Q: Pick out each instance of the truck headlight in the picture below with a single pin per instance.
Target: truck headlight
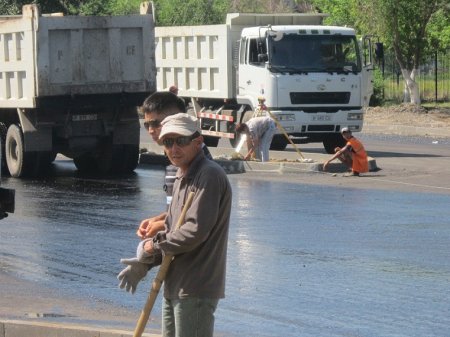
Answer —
(286, 117)
(354, 116)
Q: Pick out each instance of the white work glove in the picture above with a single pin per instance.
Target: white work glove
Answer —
(132, 274)
(142, 256)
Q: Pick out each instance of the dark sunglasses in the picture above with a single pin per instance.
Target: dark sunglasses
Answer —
(154, 123)
(181, 141)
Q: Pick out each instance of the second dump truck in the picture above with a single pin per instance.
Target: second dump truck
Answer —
(315, 79)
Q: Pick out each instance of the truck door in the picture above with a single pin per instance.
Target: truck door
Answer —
(252, 71)
(367, 71)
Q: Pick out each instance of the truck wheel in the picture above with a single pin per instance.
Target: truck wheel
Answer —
(132, 157)
(231, 127)
(19, 162)
(119, 158)
(42, 161)
(3, 131)
(125, 158)
(211, 141)
(332, 141)
(51, 156)
(85, 163)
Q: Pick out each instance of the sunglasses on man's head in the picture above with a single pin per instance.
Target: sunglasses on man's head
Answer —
(154, 123)
(180, 141)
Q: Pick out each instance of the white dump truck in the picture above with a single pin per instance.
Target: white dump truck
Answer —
(71, 85)
(315, 79)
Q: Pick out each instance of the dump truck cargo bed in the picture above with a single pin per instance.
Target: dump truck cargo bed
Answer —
(43, 56)
(201, 60)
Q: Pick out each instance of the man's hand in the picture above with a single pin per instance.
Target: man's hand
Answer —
(149, 227)
(144, 251)
(325, 165)
(132, 274)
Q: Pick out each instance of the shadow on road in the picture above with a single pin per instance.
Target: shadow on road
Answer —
(384, 154)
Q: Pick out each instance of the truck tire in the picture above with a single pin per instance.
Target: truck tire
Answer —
(332, 141)
(231, 127)
(85, 163)
(3, 131)
(211, 141)
(125, 158)
(51, 156)
(19, 162)
(132, 155)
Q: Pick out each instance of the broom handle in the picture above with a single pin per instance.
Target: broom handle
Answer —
(280, 127)
(159, 279)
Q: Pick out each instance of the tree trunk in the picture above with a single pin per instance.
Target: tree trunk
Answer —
(412, 94)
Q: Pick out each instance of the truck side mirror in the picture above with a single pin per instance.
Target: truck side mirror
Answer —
(263, 58)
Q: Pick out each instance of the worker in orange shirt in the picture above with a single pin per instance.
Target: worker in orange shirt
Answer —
(352, 154)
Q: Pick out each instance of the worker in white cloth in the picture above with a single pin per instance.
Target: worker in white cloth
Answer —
(259, 131)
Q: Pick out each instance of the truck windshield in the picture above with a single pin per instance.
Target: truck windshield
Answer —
(313, 53)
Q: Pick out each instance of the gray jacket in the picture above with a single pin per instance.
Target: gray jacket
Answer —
(200, 245)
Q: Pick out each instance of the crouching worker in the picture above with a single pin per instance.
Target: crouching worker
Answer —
(259, 131)
(353, 155)
(195, 280)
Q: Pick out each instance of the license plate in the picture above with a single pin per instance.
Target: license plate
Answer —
(321, 118)
(83, 118)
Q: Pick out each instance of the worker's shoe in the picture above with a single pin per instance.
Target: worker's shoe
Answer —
(351, 174)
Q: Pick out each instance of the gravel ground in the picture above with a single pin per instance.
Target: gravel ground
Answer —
(408, 115)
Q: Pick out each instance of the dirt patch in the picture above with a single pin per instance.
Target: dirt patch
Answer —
(408, 115)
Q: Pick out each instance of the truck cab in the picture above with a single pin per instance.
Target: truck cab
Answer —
(312, 78)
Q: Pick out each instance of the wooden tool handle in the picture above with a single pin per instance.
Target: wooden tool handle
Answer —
(159, 279)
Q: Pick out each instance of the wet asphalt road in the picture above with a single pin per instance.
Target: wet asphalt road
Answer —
(300, 263)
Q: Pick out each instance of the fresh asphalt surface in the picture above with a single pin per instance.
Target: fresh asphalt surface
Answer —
(310, 254)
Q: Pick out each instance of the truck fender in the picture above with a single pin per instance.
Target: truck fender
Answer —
(35, 138)
(239, 114)
(249, 101)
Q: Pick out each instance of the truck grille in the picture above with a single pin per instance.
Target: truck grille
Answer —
(320, 97)
(318, 128)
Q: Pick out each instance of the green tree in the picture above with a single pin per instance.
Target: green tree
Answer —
(121, 7)
(412, 29)
(106, 7)
(204, 12)
(342, 12)
(74, 7)
(190, 12)
(404, 24)
(9, 7)
(15, 7)
(263, 6)
(92, 7)
(52, 6)
(439, 30)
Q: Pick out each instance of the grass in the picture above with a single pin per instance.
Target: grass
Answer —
(436, 105)
(394, 91)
